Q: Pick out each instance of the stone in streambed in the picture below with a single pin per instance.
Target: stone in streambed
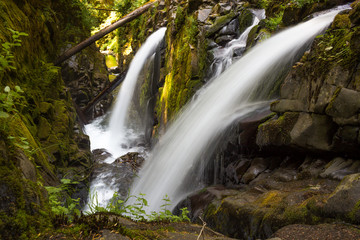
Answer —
(345, 200)
(339, 167)
(258, 165)
(203, 15)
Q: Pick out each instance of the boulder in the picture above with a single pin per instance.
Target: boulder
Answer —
(276, 131)
(322, 231)
(313, 131)
(339, 167)
(223, 39)
(345, 104)
(203, 14)
(219, 23)
(258, 165)
(344, 201)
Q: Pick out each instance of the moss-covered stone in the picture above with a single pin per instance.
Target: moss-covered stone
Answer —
(40, 131)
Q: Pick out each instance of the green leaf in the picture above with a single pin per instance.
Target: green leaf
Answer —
(7, 89)
(18, 89)
(4, 114)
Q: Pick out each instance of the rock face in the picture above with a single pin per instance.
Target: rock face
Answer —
(40, 139)
(322, 92)
(300, 165)
(86, 76)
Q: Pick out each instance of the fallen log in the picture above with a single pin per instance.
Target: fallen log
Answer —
(116, 82)
(87, 42)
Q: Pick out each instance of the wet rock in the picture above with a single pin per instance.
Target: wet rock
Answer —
(311, 168)
(211, 44)
(230, 29)
(117, 175)
(345, 104)
(197, 202)
(313, 131)
(339, 167)
(322, 231)
(223, 39)
(344, 201)
(203, 15)
(258, 165)
(219, 23)
(241, 169)
(239, 52)
(284, 175)
(100, 155)
(245, 19)
(132, 158)
(269, 135)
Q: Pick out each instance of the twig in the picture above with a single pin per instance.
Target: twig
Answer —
(202, 229)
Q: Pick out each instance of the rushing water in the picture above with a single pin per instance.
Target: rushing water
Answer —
(118, 122)
(119, 137)
(224, 56)
(168, 169)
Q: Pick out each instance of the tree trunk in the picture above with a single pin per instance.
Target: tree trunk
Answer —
(87, 42)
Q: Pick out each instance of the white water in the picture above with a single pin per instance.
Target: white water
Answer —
(167, 170)
(117, 138)
(118, 122)
(223, 56)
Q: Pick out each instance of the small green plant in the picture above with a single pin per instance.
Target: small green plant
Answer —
(136, 211)
(11, 102)
(273, 23)
(6, 52)
(60, 201)
(166, 215)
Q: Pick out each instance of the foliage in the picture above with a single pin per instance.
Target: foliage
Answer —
(126, 6)
(335, 46)
(301, 3)
(273, 23)
(136, 211)
(6, 52)
(11, 102)
(69, 207)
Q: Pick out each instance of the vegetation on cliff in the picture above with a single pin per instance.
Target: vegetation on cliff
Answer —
(41, 141)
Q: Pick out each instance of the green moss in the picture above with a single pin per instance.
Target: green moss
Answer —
(335, 95)
(341, 21)
(219, 23)
(355, 213)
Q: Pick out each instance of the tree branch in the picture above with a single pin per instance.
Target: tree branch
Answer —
(87, 42)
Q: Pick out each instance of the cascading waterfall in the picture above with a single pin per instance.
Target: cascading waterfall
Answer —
(223, 56)
(118, 122)
(227, 98)
(115, 138)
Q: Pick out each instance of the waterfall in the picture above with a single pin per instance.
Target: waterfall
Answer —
(223, 56)
(118, 122)
(117, 138)
(227, 98)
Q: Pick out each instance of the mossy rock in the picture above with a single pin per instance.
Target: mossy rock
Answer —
(219, 23)
(341, 21)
